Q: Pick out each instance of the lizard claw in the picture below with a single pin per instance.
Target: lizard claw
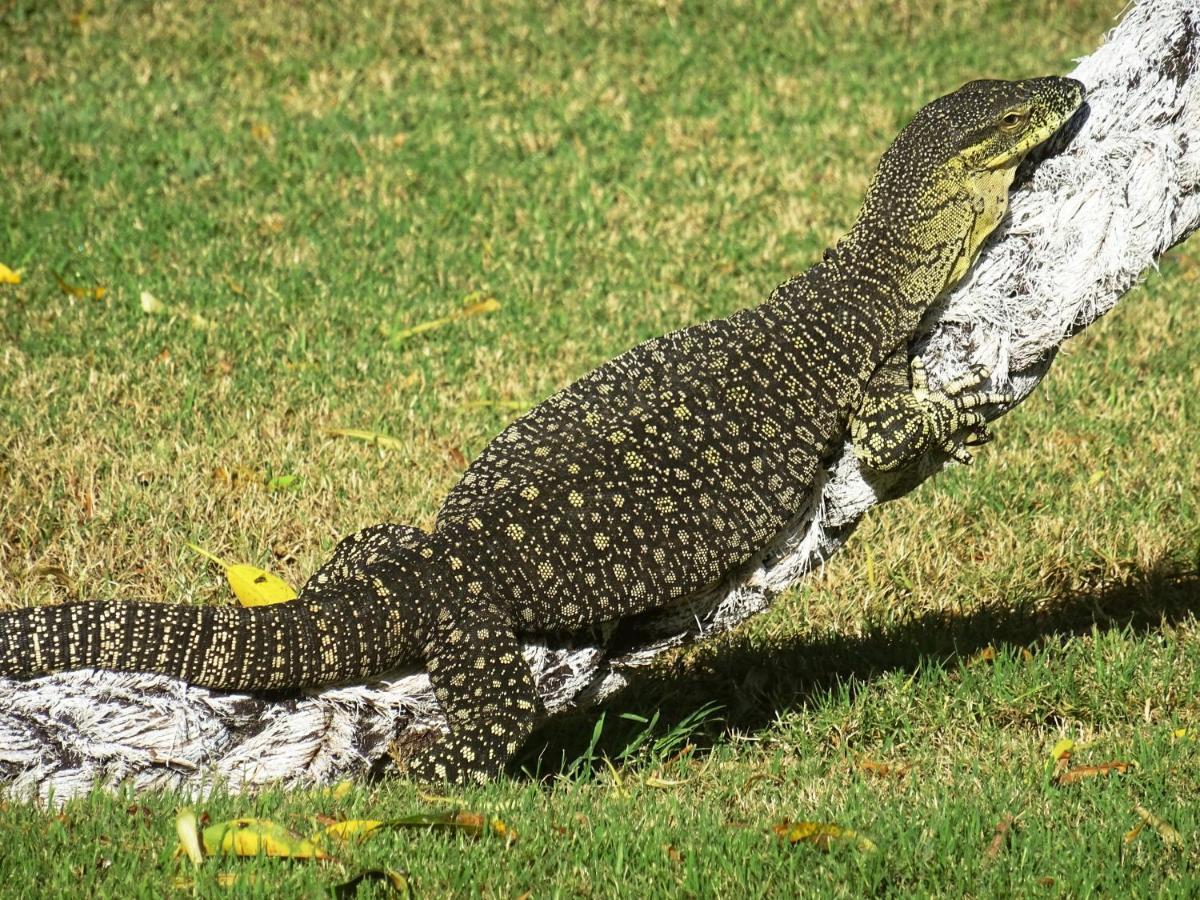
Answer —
(956, 407)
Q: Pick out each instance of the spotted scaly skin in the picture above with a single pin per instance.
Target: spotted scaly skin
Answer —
(647, 479)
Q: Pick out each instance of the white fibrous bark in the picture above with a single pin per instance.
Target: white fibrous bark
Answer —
(1118, 189)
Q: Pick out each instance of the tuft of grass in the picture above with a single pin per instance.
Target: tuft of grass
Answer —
(307, 179)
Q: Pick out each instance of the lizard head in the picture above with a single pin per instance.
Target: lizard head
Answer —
(992, 125)
(942, 187)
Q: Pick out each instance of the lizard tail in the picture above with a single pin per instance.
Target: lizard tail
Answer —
(362, 614)
(288, 645)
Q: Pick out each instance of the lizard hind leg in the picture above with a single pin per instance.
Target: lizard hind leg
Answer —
(486, 691)
(901, 417)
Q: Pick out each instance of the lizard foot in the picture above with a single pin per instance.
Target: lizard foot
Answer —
(893, 430)
(955, 408)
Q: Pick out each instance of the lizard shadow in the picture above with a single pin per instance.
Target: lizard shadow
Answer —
(752, 684)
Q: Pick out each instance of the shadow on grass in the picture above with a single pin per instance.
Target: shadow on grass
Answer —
(751, 684)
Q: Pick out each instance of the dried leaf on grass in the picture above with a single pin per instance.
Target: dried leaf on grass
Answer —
(96, 292)
(1170, 836)
(822, 835)
(473, 824)
(251, 585)
(189, 835)
(1081, 773)
(251, 837)
(349, 830)
(882, 769)
(152, 306)
(999, 836)
(474, 306)
(282, 482)
(371, 437)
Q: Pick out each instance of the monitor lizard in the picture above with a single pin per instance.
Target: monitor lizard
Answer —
(652, 476)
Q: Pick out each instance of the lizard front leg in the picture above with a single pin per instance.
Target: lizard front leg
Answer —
(485, 689)
(900, 417)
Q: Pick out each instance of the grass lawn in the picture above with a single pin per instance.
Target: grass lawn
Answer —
(295, 187)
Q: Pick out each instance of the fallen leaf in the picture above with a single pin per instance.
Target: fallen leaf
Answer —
(74, 290)
(1081, 773)
(8, 276)
(999, 836)
(457, 457)
(250, 837)
(673, 854)
(473, 307)
(474, 824)
(262, 133)
(986, 655)
(351, 829)
(822, 835)
(1169, 835)
(282, 482)
(873, 767)
(655, 781)
(1061, 749)
(1060, 757)
(371, 437)
(151, 305)
(234, 879)
(339, 790)
(189, 835)
(251, 585)
(397, 881)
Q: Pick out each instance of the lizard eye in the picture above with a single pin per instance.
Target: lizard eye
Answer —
(1011, 120)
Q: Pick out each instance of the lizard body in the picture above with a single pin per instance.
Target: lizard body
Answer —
(652, 476)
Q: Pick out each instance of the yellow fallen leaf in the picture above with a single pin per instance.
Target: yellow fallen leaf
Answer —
(337, 791)
(1169, 835)
(236, 879)
(821, 835)
(1061, 749)
(473, 307)
(371, 437)
(74, 290)
(1183, 734)
(152, 306)
(250, 837)
(251, 585)
(262, 133)
(351, 829)
(8, 276)
(189, 835)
